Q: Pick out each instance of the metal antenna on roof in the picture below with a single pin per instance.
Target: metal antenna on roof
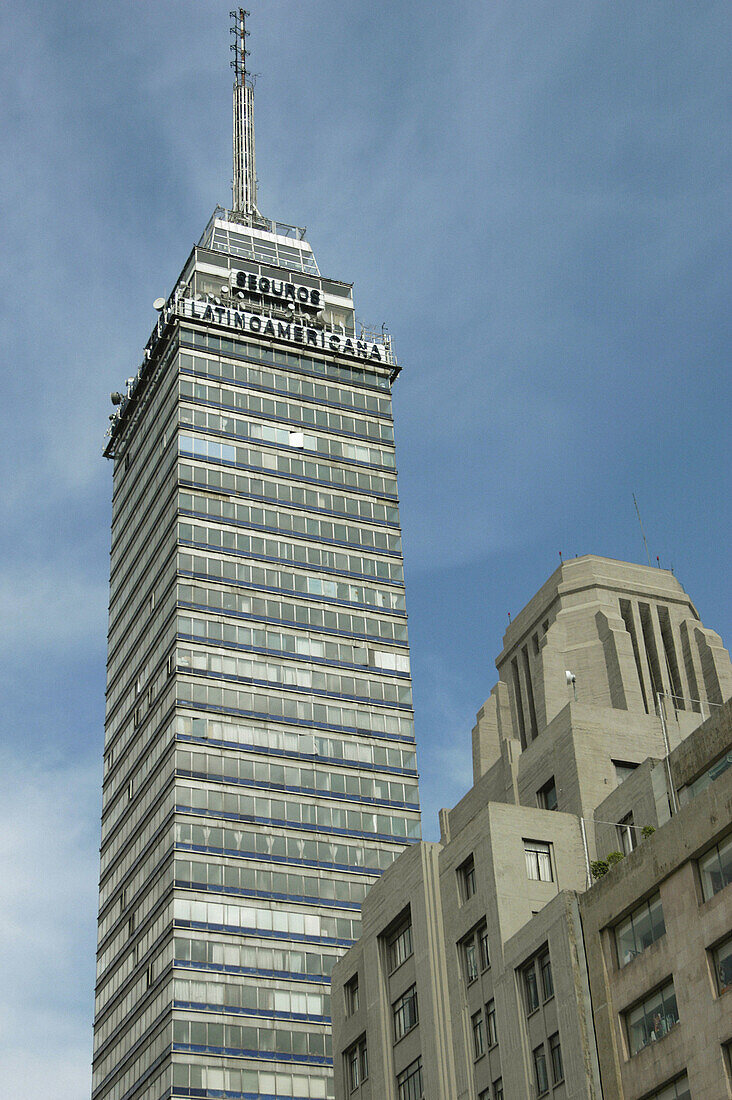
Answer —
(640, 521)
(244, 187)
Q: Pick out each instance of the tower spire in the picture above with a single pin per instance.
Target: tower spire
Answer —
(244, 186)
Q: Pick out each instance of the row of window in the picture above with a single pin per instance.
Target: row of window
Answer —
(229, 877)
(302, 584)
(294, 523)
(251, 998)
(288, 674)
(284, 492)
(288, 465)
(645, 924)
(284, 437)
(302, 645)
(299, 614)
(243, 767)
(541, 1073)
(210, 1080)
(290, 811)
(484, 1028)
(538, 867)
(279, 847)
(278, 706)
(314, 416)
(281, 924)
(235, 957)
(285, 383)
(277, 357)
(297, 744)
(300, 553)
(236, 1038)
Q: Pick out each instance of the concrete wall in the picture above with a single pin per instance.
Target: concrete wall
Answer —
(665, 862)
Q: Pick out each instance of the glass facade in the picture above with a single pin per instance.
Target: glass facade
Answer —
(260, 767)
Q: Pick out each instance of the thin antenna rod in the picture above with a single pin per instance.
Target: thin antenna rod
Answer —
(244, 186)
(641, 527)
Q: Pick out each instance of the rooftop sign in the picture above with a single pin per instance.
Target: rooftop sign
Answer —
(279, 289)
(294, 332)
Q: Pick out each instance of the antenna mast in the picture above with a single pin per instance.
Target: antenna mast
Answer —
(640, 521)
(244, 187)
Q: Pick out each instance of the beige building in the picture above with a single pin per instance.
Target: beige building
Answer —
(492, 964)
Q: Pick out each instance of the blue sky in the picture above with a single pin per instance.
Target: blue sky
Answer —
(533, 196)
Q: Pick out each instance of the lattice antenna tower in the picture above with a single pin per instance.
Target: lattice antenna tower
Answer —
(244, 185)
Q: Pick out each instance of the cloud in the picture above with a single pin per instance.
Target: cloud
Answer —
(47, 926)
(46, 607)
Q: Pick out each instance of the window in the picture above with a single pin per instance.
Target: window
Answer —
(626, 833)
(652, 1018)
(722, 957)
(484, 1094)
(485, 959)
(466, 878)
(701, 784)
(541, 1076)
(399, 945)
(351, 990)
(409, 1082)
(470, 959)
(676, 1090)
(538, 860)
(474, 952)
(476, 1022)
(405, 1013)
(531, 989)
(643, 927)
(623, 768)
(498, 1089)
(490, 1023)
(357, 1063)
(546, 796)
(555, 1052)
(716, 868)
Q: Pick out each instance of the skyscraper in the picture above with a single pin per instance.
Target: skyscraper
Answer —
(259, 762)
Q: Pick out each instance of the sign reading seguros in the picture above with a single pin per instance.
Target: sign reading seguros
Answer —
(309, 297)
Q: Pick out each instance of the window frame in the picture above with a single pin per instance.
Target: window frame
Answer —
(466, 879)
(545, 966)
(470, 959)
(406, 1076)
(531, 1004)
(357, 1063)
(477, 1026)
(626, 831)
(717, 964)
(646, 908)
(538, 849)
(399, 935)
(491, 1024)
(723, 845)
(660, 991)
(484, 954)
(539, 1054)
(351, 991)
(398, 1011)
(556, 1047)
(543, 793)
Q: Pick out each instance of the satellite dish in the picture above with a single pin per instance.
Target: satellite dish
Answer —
(158, 304)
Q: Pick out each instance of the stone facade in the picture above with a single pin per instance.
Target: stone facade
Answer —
(512, 980)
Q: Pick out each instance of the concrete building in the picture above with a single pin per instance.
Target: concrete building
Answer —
(259, 760)
(488, 966)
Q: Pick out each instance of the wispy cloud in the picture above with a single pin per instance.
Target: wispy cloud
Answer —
(48, 821)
